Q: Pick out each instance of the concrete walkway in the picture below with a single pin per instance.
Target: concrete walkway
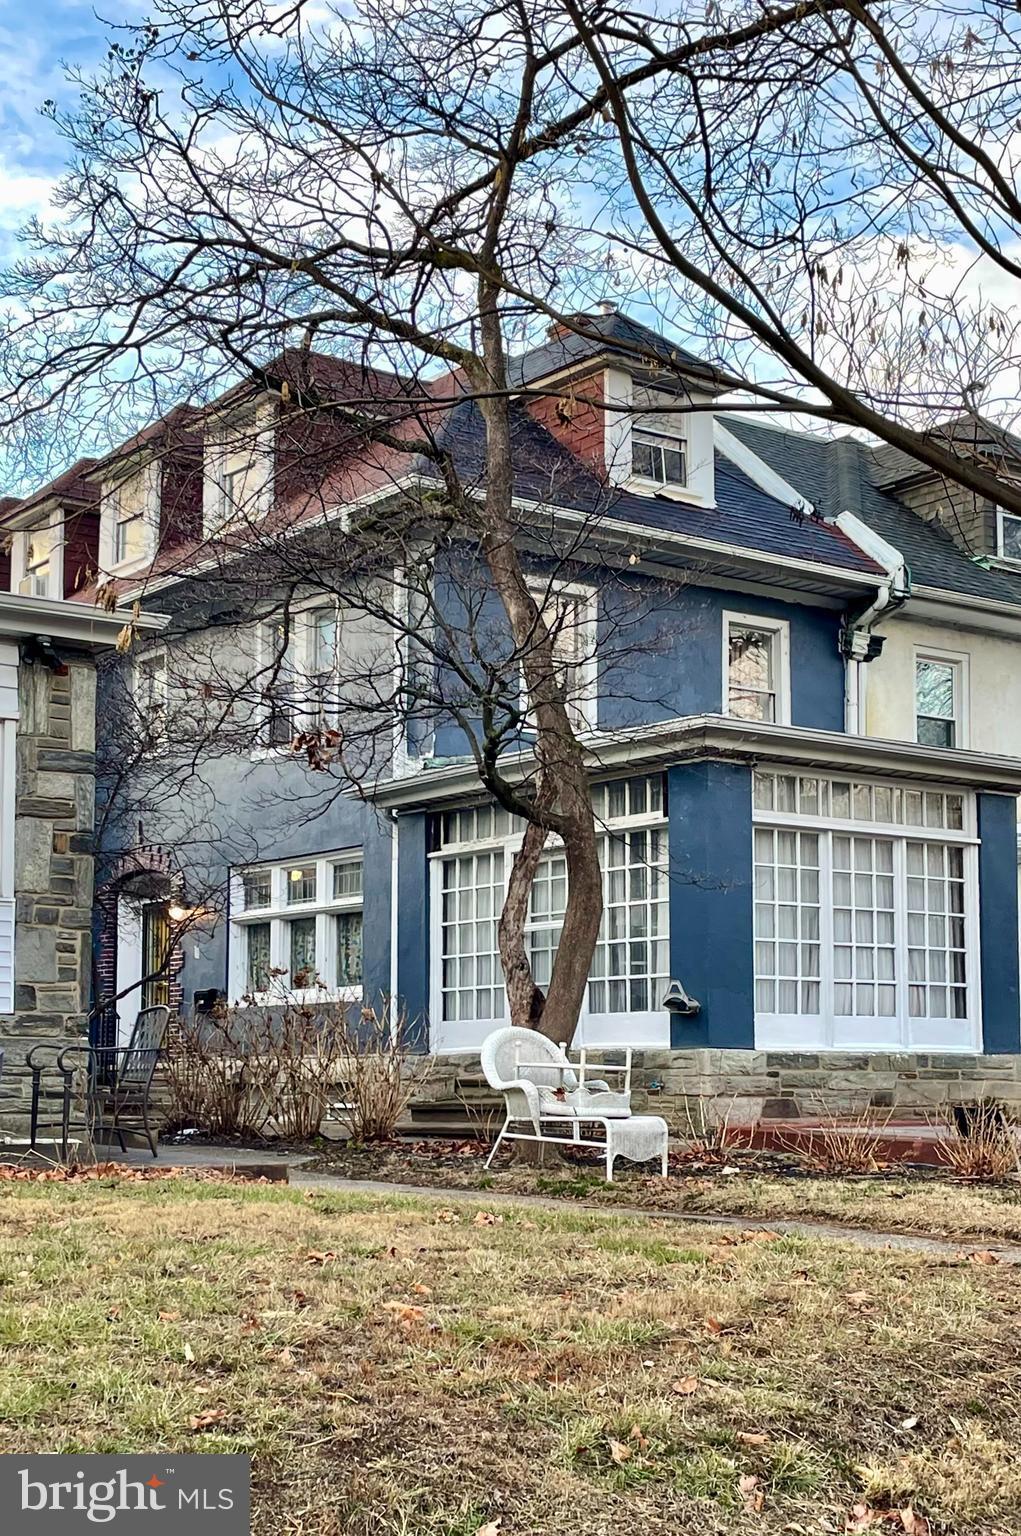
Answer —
(279, 1164)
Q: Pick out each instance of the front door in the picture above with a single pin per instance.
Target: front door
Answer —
(155, 954)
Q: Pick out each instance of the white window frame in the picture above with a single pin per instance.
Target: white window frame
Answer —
(149, 658)
(302, 638)
(1001, 554)
(583, 702)
(780, 629)
(324, 908)
(958, 662)
(21, 572)
(649, 1029)
(899, 1032)
(666, 441)
(250, 427)
(151, 474)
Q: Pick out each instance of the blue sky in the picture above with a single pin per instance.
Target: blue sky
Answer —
(37, 37)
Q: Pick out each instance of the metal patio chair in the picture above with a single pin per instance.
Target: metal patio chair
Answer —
(118, 1082)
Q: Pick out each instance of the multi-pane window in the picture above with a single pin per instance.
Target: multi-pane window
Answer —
(239, 471)
(38, 547)
(658, 456)
(630, 965)
(865, 913)
(569, 614)
(937, 701)
(297, 928)
(756, 663)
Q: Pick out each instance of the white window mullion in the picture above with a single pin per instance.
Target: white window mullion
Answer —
(903, 979)
(826, 978)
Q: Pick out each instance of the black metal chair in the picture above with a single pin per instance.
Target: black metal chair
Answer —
(118, 1083)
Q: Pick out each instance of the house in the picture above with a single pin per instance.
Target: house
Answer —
(48, 650)
(796, 826)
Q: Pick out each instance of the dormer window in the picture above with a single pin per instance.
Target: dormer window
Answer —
(659, 457)
(36, 566)
(1008, 529)
(238, 470)
(130, 519)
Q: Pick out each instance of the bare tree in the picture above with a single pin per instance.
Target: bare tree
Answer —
(415, 189)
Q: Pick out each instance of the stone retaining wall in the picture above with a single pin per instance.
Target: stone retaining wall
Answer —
(745, 1087)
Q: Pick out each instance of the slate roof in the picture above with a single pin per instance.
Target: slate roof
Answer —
(744, 515)
(983, 440)
(605, 333)
(840, 474)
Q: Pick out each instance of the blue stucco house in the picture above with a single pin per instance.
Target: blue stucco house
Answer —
(841, 905)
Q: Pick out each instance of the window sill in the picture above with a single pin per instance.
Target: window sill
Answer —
(640, 487)
(303, 998)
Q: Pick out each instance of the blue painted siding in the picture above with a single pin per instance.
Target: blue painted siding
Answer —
(413, 921)
(660, 650)
(998, 922)
(711, 950)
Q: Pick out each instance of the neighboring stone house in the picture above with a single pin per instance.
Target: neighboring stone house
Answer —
(47, 813)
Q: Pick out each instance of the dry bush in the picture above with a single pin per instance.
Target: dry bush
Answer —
(381, 1075)
(980, 1141)
(258, 1071)
(842, 1144)
(711, 1137)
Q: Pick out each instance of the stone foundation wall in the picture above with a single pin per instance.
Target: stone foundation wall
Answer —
(745, 1087)
(53, 866)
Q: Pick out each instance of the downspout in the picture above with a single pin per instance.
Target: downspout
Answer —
(858, 644)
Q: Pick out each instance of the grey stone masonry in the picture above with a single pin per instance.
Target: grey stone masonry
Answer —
(53, 868)
(693, 1088)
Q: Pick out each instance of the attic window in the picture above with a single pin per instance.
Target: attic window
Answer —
(1009, 531)
(659, 457)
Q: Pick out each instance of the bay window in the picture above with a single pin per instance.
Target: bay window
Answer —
(629, 970)
(865, 915)
(296, 930)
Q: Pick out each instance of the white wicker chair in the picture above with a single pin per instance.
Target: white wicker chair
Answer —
(544, 1090)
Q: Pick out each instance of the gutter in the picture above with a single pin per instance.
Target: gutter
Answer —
(48, 618)
(858, 643)
(699, 737)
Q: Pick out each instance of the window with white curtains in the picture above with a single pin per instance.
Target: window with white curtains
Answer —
(866, 915)
(471, 867)
(296, 929)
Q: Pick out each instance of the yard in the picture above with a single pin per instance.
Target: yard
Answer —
(399, 1368)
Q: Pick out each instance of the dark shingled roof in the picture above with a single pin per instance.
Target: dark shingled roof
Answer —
(607, 333)
(744, 515)
(970, 436)
(838, 475)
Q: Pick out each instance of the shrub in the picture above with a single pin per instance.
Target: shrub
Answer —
(980, 1141)
(262, 1072)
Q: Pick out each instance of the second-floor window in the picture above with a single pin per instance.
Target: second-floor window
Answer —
(756, 656)
(130, 518)
(659, 457)
(939, 688)
(570, 615)
(300, 661)
(38, 561)
(151, 698)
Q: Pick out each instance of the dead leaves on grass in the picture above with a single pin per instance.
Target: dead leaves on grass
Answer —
(207, 1419)
(863, 1518)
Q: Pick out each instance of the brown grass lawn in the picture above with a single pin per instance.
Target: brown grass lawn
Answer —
(398, 1369)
